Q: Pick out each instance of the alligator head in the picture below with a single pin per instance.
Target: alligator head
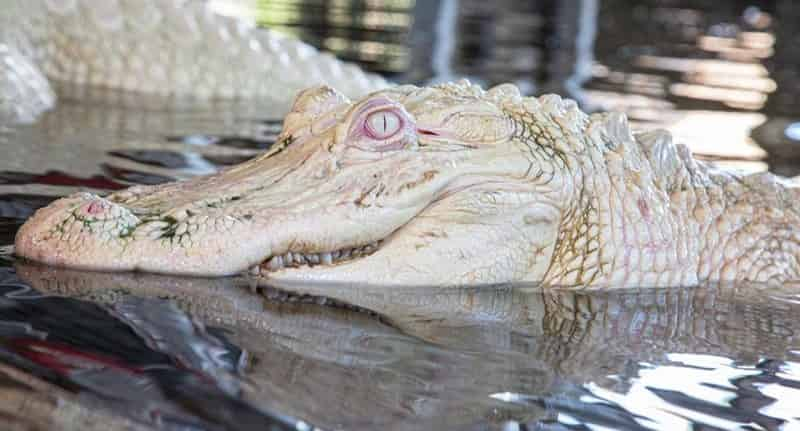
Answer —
(441, 185)
(447, 185)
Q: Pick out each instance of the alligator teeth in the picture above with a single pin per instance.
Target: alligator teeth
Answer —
(296, 259)
(275, 263)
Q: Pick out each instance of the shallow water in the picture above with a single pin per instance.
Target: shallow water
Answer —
(86, 350)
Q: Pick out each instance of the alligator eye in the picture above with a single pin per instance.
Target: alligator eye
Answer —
(383, 124)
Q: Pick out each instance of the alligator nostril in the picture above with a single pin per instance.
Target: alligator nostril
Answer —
(95, 207)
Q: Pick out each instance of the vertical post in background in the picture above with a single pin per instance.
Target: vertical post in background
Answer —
(432, 41)
(569, 44)
(785, 64)
(542, 45)
(780, 134)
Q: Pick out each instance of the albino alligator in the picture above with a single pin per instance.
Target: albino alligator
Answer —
(165, 47)
(447, 185)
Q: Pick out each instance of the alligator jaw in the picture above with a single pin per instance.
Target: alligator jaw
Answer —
(301, 260)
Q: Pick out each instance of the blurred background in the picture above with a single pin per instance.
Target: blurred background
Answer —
(722, 75)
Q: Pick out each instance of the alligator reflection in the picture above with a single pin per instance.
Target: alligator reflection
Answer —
(720, 356)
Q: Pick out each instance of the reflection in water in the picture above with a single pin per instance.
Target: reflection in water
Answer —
(140, 357)
(707, 389)
(57, 178)
(20, 207)
(134, 176)
(160, 158)
(253, 144)
(714, 356)
(793, 131)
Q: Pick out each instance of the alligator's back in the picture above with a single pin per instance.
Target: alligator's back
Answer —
(746, 224)
(161, 47)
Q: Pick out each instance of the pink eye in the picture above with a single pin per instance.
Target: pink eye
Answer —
(383, 124)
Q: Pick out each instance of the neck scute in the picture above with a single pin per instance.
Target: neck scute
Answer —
(623, 230)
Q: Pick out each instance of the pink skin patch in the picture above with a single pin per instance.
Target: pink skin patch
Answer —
(644, 209)
(95, 208)
(427, 132)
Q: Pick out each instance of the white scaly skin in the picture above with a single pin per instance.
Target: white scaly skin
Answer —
(165, 47)
(448, 185)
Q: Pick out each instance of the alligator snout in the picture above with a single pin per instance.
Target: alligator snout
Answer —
(93, 232)
(81, 224)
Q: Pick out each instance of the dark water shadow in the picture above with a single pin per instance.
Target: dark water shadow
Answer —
(138, 357)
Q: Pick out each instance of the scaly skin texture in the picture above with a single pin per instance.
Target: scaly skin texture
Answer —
(165, 47)
(448, 185)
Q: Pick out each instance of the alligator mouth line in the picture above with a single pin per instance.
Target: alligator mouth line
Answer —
(299, 260)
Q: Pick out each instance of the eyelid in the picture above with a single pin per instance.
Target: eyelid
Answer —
(374, 105)
(358, 114)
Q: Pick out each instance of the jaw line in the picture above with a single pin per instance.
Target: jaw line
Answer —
(357, 270)
(335, 272)
(314, 262)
